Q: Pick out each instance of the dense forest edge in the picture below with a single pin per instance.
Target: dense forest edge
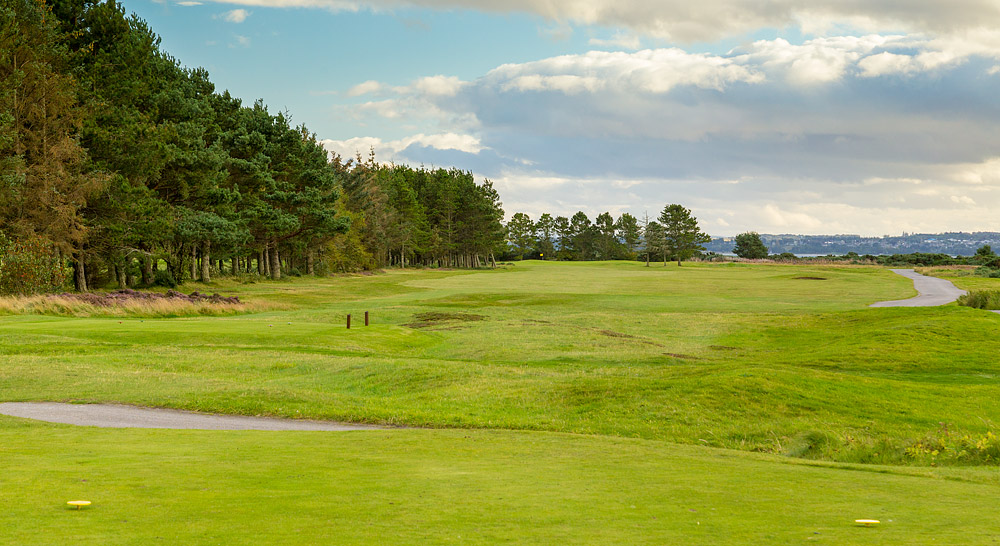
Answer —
(119, 166)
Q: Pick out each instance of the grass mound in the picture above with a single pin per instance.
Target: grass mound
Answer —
(981, 299)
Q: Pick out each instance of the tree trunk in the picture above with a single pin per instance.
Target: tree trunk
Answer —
(206, 261)
(147, 270)
(194, 263)
(91, 275)
(310, 263)
(79, 274)
(275, 262)
(120, 276)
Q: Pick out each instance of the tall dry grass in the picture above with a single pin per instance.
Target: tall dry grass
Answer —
(68, 306)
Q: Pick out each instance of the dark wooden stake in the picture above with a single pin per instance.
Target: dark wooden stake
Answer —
(348, 322)
(366, 318)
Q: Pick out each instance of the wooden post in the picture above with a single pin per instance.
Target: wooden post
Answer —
(366, 318)
(348, 321)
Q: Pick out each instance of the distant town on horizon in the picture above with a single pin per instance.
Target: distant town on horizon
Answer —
(954, 243)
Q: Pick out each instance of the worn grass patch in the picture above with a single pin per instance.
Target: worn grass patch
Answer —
(425, 320)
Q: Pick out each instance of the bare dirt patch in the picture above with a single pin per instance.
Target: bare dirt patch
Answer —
(612, 333)
(682, 357)
(810, 278)
(427, 320)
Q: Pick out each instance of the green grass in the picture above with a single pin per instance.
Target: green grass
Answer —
(752, 357)
(459, 487)
(653, 369)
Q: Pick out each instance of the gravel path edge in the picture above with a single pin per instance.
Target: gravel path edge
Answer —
(122, 416)
(932, 291)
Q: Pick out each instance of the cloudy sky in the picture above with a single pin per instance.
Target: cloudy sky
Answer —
(782, 116)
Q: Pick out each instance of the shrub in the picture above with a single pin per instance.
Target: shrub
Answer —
(164, 278)
(981, 299)
(29, 267)
(961, 448)
(988, 272)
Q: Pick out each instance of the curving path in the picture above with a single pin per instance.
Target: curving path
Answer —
(118, 416)
(933, 291)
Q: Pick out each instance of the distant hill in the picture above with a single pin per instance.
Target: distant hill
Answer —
(956, 244)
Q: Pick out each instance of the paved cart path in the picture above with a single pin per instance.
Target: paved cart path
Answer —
(933, 291)
(118, 416)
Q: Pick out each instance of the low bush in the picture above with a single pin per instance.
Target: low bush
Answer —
(988, 272)
(956, 448)
(981, 299)
(164, 278)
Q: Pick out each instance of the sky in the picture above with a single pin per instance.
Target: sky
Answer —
(869, 117)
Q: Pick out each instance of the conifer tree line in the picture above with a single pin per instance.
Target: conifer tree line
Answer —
(119, 166)
(673, 235)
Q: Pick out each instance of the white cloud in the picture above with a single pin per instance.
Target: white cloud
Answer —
(784, 219)
(392, 150)
(650, 71)
(241, 41)
(817, 61)
(951, 31)
(621, 40)
(364, 88)
(887, 63)
(187, 3)
(982, 173)
(236, 16)
(443, 86)
(708, 20)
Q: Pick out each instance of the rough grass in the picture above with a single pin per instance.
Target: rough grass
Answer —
(981, 299)
(61, 306)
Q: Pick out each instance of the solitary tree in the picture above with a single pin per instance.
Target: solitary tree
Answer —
(749, 246)
(682, 236)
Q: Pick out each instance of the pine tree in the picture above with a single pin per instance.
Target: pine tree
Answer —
(682, 236)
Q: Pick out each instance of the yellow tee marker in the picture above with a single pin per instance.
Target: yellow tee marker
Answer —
(79, 504)
(867, 522)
